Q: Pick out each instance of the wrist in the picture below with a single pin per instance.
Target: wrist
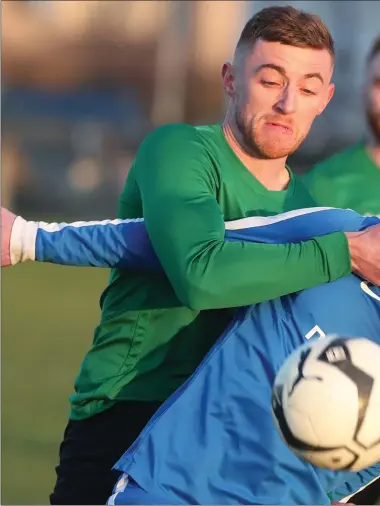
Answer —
(23, 240)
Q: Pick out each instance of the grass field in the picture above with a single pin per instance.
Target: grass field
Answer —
(48, 316)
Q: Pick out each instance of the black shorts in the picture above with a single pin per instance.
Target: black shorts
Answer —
(90, 449)
(369, 495)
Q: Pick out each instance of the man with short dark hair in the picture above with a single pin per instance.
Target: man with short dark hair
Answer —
(186, 182)
(351, 179)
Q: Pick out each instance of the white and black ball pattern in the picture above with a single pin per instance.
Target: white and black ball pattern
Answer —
(326, 402)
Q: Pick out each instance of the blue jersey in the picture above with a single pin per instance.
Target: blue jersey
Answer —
(214, 440)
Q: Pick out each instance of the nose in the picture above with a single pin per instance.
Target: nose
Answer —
(287, 101)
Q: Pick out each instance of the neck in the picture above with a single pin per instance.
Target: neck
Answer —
(373, 148)
(271, 173)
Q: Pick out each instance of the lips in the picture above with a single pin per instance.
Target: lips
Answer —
(280, 126)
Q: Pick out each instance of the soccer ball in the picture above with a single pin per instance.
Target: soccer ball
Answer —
(326, 402)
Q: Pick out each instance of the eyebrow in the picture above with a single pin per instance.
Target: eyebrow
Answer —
(282, 71)
(314, 74)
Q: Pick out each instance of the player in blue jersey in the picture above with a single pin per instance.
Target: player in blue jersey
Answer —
(214, 441)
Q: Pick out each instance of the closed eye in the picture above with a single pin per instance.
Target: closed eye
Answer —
(269, 83)
(308, 92)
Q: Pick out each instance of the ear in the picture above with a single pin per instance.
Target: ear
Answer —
(228, 76)
(329, 96)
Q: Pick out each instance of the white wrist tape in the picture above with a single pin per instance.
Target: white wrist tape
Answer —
(23, 240)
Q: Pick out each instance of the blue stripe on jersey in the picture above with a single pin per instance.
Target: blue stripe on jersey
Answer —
(125, 243)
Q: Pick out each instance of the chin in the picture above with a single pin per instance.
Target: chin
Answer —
(275, 155)
(277, 146)
(274, 150)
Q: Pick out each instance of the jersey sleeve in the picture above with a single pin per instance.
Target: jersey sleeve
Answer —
(107, 243)
(177, 183)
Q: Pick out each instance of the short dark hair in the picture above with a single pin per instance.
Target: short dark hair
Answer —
(375, 49)
(287, 25)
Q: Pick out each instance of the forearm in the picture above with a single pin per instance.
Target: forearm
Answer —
(108, 243)
(207, 272)
(238, 274)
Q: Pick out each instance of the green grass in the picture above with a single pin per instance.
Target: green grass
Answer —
(48, 316)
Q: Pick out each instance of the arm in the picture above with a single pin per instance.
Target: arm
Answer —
(108, 243)
(125, 243)
(186, 227)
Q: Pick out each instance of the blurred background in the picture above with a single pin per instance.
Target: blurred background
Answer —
(83, 82)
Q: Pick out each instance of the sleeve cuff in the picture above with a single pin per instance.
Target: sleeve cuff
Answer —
(337, 254)
(23, 241)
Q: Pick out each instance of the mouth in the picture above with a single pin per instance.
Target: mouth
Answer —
(280, 127)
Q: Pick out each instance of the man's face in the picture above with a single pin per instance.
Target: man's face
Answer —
(276, 91)
(372, 96)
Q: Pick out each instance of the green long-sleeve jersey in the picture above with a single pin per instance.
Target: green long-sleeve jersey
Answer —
(155, 328)
(349, 179)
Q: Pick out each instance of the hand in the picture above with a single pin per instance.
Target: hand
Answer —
(7, 220)
(365, 253)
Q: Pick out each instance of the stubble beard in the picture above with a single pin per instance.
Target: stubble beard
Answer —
(250, 140)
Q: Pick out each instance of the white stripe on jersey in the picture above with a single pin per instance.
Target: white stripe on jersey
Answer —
(56, 227)
(261, 221)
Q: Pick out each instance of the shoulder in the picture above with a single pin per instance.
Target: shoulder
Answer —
(177, 145)
(183, 138)
(171, 134)
(179, 152)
